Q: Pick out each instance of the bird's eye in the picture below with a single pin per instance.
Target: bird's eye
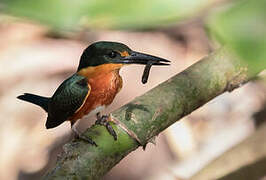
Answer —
(112, 54)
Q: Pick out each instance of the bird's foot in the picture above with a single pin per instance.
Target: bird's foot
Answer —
(103, 120)
(78, 135)
(87, 139)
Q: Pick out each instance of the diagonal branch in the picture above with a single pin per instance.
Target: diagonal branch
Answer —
(148, 115)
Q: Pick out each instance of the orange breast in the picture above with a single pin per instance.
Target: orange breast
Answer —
(104, 88)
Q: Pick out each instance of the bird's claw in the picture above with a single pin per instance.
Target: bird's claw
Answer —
(87, 139)
(78, 135)
(103, 120)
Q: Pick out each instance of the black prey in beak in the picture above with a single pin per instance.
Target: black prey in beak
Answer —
(144, 59)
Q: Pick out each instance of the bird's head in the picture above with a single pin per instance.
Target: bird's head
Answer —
(114, 55)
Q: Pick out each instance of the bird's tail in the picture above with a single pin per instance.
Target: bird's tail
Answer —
(35, 99)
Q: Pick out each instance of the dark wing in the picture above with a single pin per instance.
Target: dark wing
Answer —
(67, 99)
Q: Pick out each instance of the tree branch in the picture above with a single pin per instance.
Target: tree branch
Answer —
(148, 115)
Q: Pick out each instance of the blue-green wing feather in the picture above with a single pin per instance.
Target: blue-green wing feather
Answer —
(67, 99)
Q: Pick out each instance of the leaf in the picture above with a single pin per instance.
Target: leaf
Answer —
(242, 27)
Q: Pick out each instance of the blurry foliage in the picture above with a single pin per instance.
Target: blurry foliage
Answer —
(242, 27)
(73, 14)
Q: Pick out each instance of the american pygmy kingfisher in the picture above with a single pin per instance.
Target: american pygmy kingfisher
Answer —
(93, 87)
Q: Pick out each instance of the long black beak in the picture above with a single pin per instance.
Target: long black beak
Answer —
(141, 58)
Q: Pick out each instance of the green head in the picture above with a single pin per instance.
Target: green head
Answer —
(104, 52)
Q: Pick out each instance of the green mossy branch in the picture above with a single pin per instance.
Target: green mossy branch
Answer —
(150, 114)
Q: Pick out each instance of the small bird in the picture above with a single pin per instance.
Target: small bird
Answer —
(93, 87)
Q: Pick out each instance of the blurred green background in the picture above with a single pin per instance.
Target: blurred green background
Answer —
(74, 15)
(241, 24)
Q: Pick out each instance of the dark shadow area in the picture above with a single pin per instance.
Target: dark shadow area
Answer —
(260, 116)
(252, 171)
